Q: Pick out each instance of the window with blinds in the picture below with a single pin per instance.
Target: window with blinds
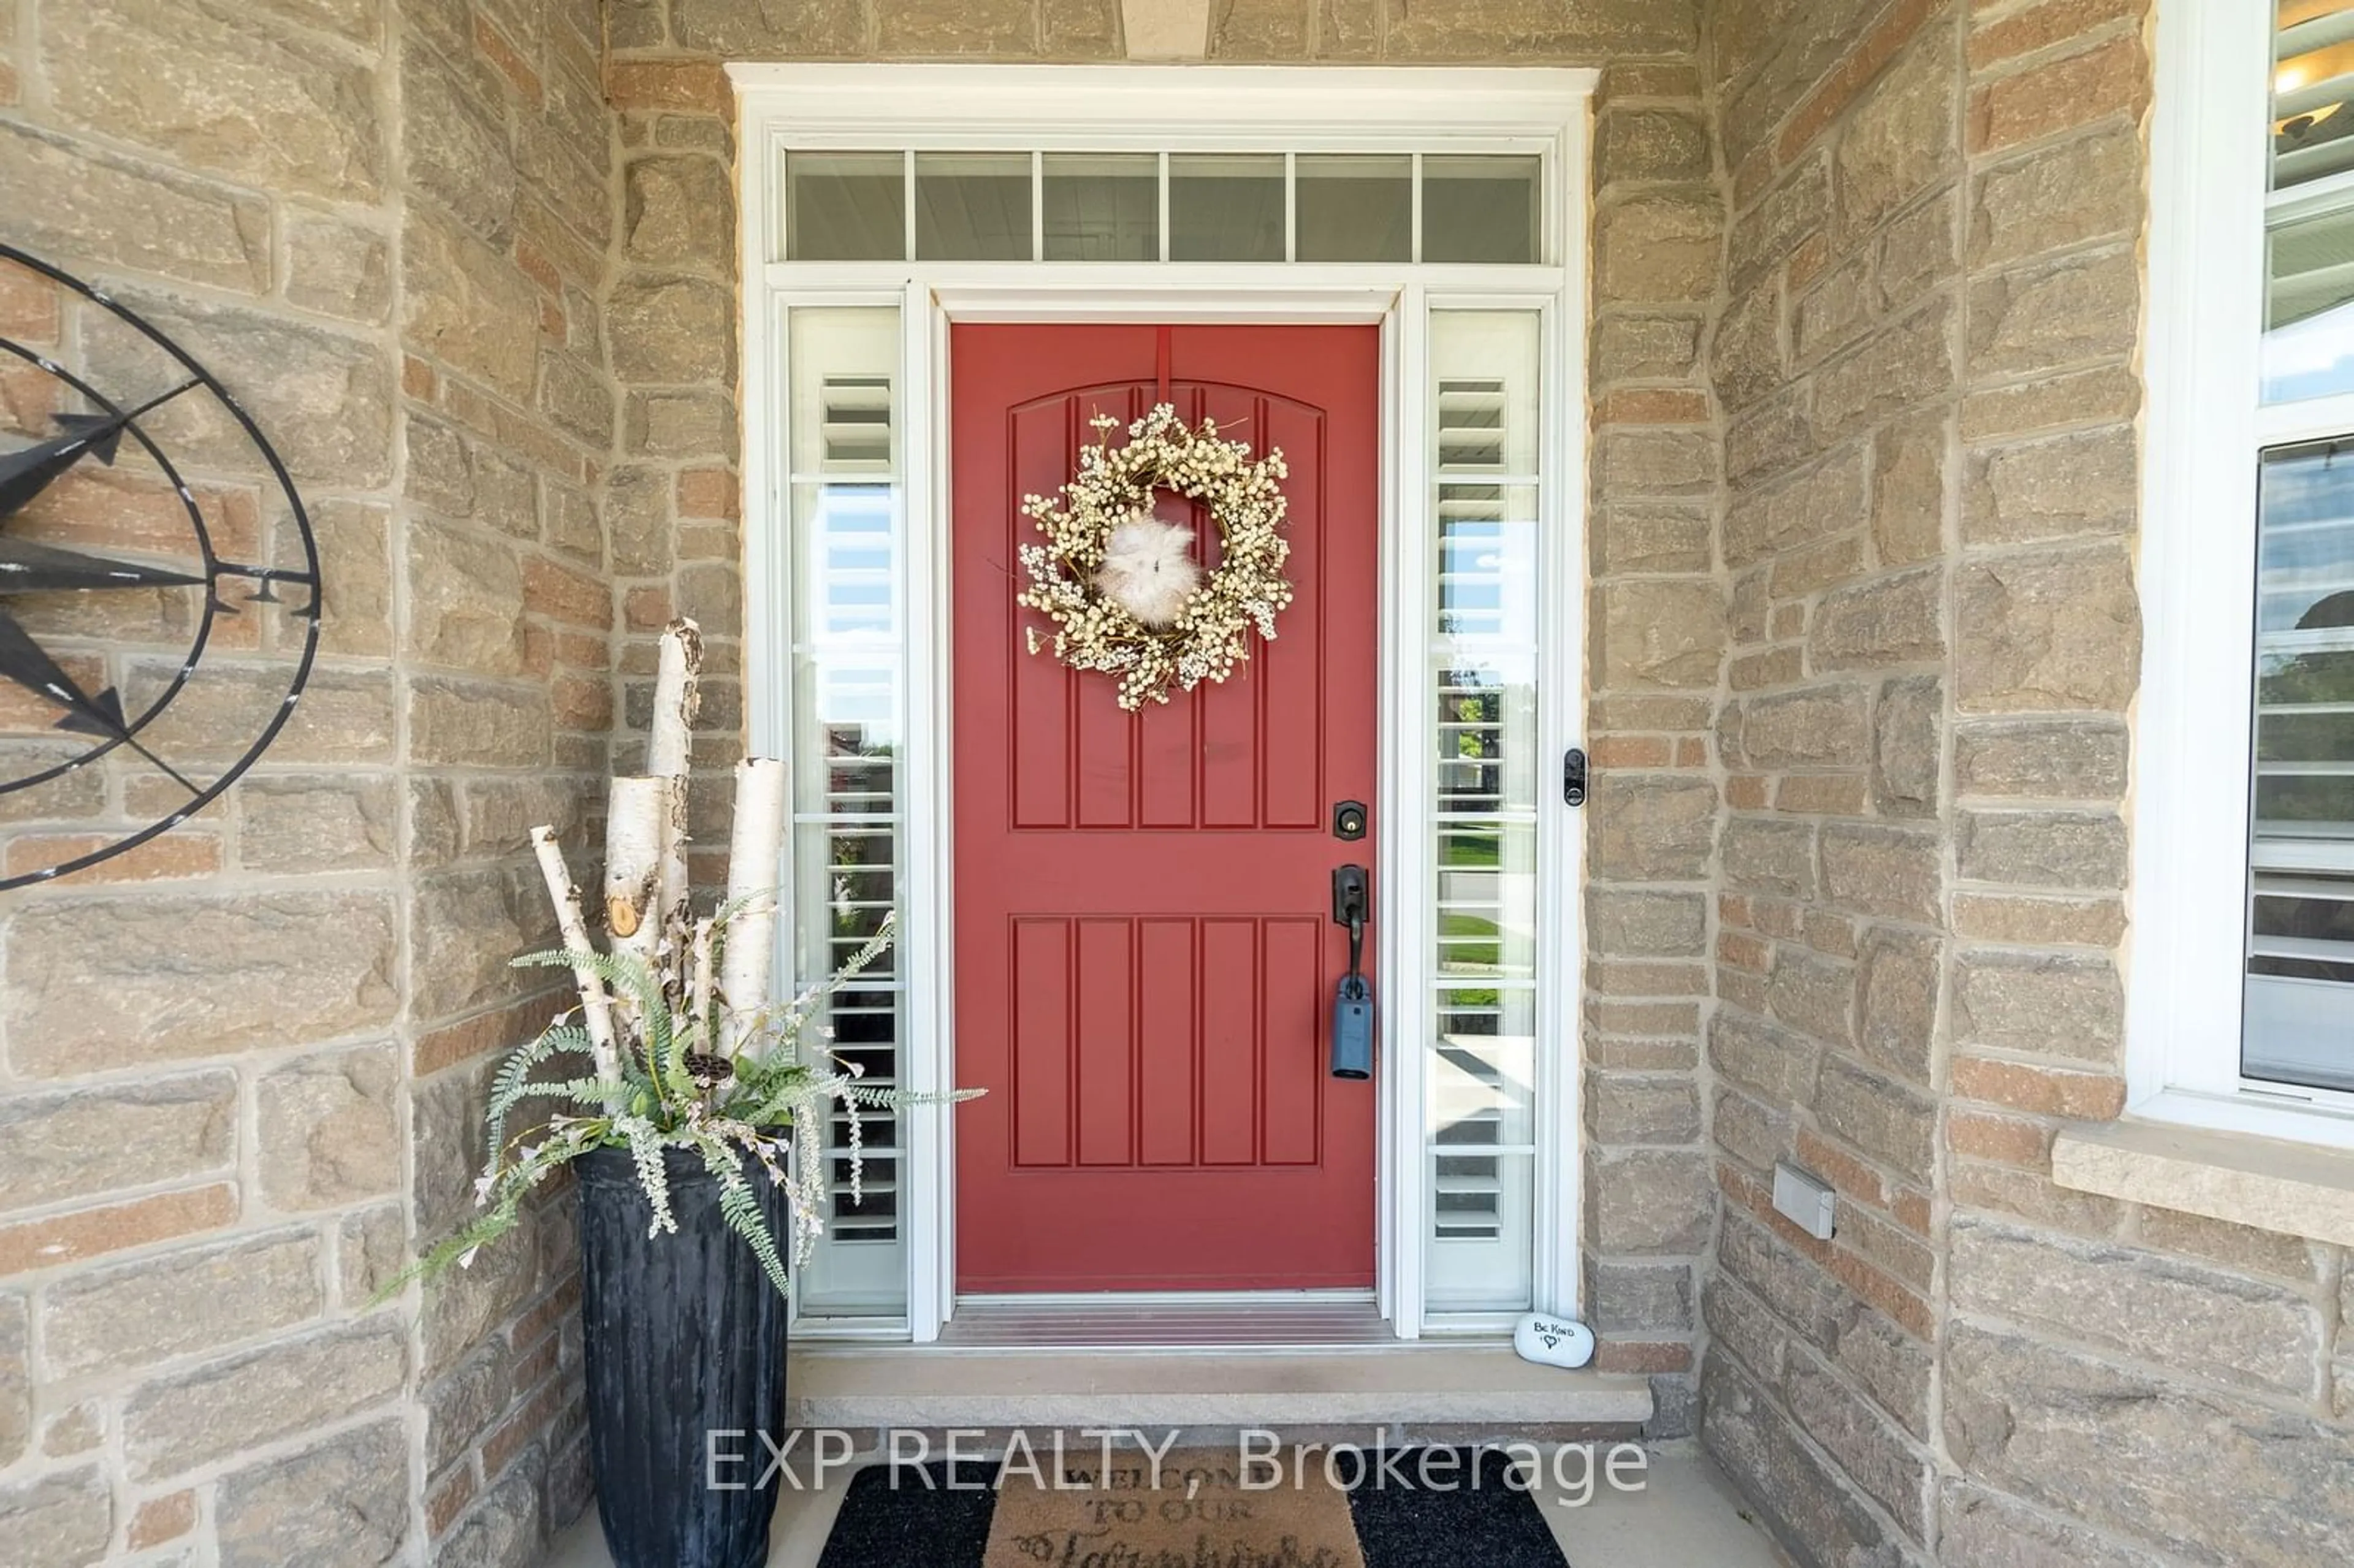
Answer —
(1483, 653)
(2300, 925)
(847, 596)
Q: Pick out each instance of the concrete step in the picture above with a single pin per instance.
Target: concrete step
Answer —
(1398, 1385)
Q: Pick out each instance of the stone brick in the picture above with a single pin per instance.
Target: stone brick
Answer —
(1771, 1060)
(1818, 503)
(2242, 1248)
(2070, 849)
(1889, 620)
(1624, 1108)
(577, 398)
(15, 1379)
(465, 601)
(2082, 760)
(317, 821)
(1882, 871)
(1821, 727)
(1906, 724)
(227, 1407)
(2047, 490)
(1652, 826)
(2038, 318)
(1869, 1448)
(503, 1530)
(1900, 139)
(2057, 197)
(2104, 394)
(468, 306)
(1981, 1529)
(330, 1130)
(1748, 1131)
(1744, 1433)
(1657, 250)
(163, 1519)
(86, 991)
(1813, 994)
(31, 1245)
(1090, 29)
(354, 555)
(2046, 1091)
(1649, 1199)
(1991, 918)
(273, 1513)
(466, 926)
(1657, 537)
(1886, 1120)
(220, 88)
(2059, 629)
(1897, 1000)
(62, 1519)
(671, 329)
(680, 212)
(1650, 144)
(1908, 489)
(125, 214)
(481, 723)
(57, 1146)
(199, 1298)
(1796, 207)
(1739, 1323)
(2047, 100)
(1643, 345)
(1630, 922)
(324, 397)
(1764, 856)
(1659, 633)
(2029, 1195)
(371, 1248)
(1919, 251)
(2199, 1321)
(1897, 366)
(337, 269)
(1746, 359)
(2053, 1003)
(1630, 462)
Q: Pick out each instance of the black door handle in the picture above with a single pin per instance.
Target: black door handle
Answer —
(1352, 1005)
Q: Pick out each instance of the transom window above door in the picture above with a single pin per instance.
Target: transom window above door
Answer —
(1462, 207)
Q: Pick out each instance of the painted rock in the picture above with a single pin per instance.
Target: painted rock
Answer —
(1552, 1342)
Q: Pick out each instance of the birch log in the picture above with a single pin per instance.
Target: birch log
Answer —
(635, 816)
(595, 1007)
(754, 847)
(670, 739)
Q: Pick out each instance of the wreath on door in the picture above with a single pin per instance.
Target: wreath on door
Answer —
(1122, 588)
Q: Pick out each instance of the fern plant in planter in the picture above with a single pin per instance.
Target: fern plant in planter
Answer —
(691, 1108)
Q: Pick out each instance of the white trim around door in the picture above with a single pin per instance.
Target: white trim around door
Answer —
(1427, 116)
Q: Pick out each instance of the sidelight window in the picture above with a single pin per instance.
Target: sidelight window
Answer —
(847, 842)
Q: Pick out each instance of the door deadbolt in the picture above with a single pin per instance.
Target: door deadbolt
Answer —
(1349, 820)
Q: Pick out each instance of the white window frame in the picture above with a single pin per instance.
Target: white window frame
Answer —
(2205, 430)
(1186, 107)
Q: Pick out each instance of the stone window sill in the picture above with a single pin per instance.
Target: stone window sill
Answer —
(2268, 1183)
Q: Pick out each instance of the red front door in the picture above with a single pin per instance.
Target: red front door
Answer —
(1145, 953)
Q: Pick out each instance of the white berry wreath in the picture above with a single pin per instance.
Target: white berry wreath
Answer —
(1122, 588)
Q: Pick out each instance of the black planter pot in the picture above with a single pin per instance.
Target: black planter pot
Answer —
(684, 1337)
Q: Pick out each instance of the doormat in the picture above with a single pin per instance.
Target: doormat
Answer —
(1200, 1517)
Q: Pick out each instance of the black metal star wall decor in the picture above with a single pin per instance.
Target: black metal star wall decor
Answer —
(147, 667)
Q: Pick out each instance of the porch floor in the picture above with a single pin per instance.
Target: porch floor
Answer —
(1687, 1516)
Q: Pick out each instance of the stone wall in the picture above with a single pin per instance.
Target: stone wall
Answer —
(1659, 606)
(1926, 366)
(241, 1067)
